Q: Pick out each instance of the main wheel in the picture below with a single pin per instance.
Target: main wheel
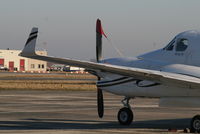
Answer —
(125, 116)
(195, 124)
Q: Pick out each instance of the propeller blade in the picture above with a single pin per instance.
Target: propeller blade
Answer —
(99, 33)
(100, 103)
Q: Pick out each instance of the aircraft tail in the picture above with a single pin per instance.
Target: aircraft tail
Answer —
(29, 48)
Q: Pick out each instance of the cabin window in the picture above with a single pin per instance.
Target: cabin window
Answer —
(170, 46)
(182, 45)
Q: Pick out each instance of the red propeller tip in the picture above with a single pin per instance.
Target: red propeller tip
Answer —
(99, 28)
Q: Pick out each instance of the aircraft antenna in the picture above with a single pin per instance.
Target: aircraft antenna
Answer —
(114, 46)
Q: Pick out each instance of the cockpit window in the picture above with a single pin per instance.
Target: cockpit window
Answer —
(170, 46)
(182, 45)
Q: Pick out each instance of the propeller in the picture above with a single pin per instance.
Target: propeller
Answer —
(100, 103)
(99, 33)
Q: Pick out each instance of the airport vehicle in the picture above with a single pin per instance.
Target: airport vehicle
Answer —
(56, 67)
(72, 69)
(171, 73)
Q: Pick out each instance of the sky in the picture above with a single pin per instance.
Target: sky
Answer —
(67, 27)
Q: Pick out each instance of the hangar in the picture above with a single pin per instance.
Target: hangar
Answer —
(9, 60)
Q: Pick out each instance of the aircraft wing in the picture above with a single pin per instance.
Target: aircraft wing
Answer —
(165, 78)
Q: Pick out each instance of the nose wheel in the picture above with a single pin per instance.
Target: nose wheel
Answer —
(125, 114)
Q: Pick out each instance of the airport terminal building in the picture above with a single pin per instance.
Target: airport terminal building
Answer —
(9, 60)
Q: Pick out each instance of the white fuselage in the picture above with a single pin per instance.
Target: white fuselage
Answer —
(173, 58)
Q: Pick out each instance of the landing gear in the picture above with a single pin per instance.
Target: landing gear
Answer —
(195, 124)
(125, 114)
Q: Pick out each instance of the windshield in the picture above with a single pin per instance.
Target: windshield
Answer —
(171, 45)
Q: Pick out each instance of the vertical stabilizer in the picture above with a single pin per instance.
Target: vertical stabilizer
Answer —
(29, 48)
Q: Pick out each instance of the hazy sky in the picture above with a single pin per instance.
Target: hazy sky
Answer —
(67, 27)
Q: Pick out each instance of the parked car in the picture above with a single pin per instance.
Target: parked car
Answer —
(3, 68)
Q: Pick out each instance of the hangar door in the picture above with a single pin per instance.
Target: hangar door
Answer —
(11, 65)
(22, 65)
(1, 62)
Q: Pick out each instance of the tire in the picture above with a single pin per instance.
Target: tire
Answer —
(195, 124)
(125, 116)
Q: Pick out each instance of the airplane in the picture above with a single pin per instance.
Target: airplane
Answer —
(171, 74)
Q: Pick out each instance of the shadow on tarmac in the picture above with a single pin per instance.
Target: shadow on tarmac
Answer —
(31, 124)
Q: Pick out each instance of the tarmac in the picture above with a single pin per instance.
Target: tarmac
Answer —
(74, 112)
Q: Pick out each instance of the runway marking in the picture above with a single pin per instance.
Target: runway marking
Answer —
(145, 106)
